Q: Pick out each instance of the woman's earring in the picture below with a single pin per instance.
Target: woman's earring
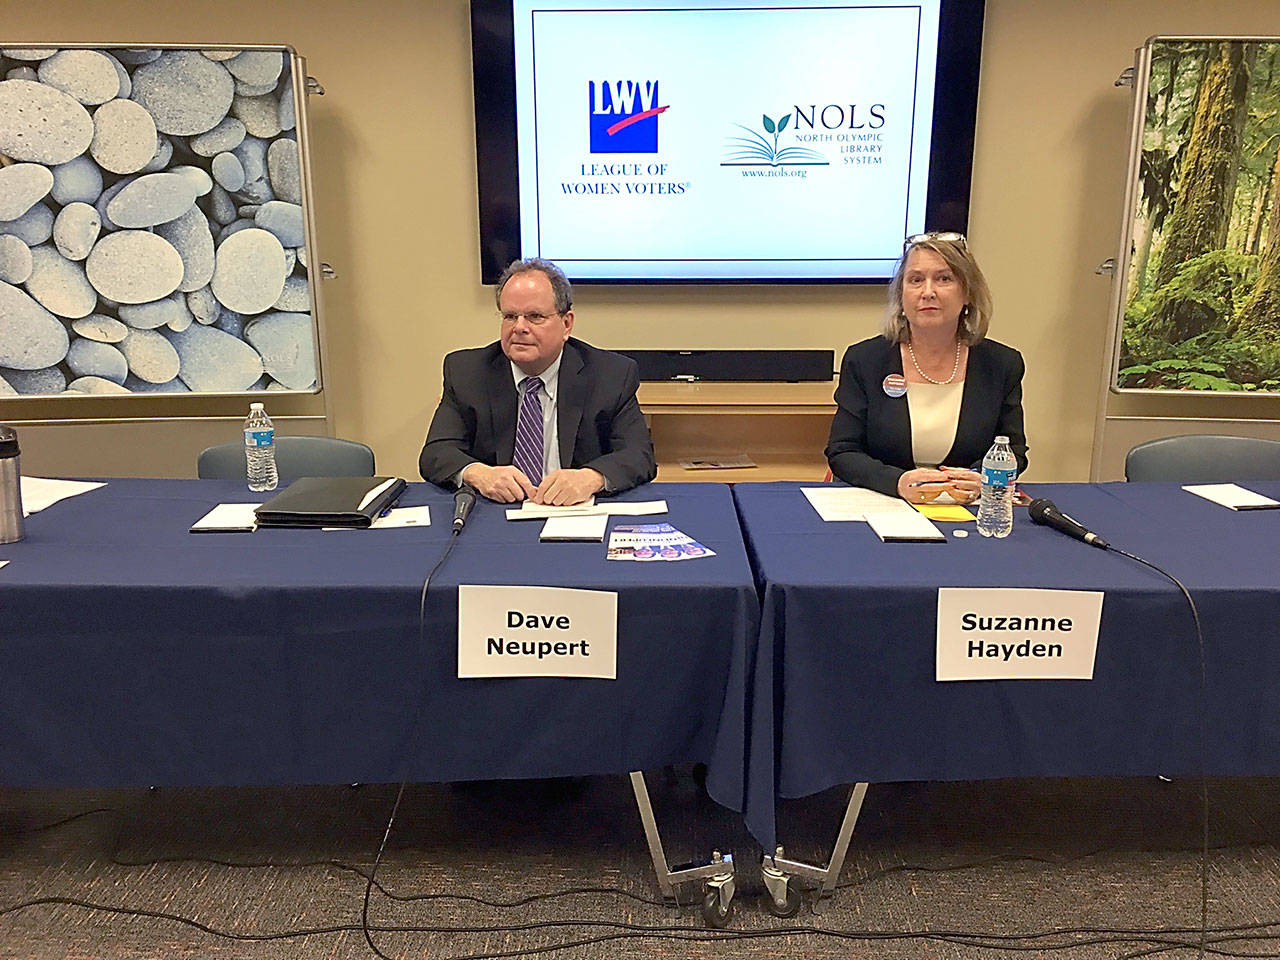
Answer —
(964, 312)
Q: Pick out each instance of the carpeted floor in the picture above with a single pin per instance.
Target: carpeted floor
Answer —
(1018, 868)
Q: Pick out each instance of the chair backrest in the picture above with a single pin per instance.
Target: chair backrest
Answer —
(1204, 458)
(295, 457)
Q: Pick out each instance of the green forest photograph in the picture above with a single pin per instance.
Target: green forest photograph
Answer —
(1202, 301)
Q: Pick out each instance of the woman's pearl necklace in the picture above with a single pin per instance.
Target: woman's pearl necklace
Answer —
(954, 370)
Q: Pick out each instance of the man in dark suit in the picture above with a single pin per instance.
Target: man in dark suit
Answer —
(538, 414)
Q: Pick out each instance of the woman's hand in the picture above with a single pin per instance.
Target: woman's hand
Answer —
(922, 484)
(963, 484)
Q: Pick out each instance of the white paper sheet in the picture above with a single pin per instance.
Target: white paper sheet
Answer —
(589, 528)
(609, 508)
(540, 511)
(852, 503)
(4, 563)
(41, 492)
(228, 518)
(395, 519)
(638, 508)
(403, 517)
(1231, 495)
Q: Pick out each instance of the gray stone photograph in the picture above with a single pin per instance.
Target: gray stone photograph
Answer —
(152, 234)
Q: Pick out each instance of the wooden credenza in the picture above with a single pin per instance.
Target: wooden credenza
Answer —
(783, 427)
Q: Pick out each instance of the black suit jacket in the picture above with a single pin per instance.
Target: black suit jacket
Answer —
(598, 416)
(870, 443)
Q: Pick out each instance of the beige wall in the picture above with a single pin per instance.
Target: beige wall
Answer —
(393, 162)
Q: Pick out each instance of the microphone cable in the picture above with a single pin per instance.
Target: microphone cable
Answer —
(1078, 531)
(1202, 733)
(414, 733)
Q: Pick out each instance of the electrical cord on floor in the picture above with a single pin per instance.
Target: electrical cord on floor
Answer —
(505, 904)
(525, 901)
(1154, 940)
(1033, 858)
(114, 858)
(968, 938)
(28, 831)
(390, 894)
(599, 890)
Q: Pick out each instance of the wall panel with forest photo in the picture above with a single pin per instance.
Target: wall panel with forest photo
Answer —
(1200, 305)
(154, 211)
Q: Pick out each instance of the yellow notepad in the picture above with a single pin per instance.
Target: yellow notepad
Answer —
(945, 511)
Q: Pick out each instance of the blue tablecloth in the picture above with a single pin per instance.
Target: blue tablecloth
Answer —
(133, 652)
(844, 686)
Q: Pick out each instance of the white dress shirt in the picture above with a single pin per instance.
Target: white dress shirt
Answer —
(935, 414)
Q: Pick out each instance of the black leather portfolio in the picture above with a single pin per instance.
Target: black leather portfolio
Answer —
(330, 502)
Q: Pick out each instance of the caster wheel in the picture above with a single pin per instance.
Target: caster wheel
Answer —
(712, 914)
(788, 909)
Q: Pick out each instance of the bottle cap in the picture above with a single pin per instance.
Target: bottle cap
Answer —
(998, 439)
(255, 406)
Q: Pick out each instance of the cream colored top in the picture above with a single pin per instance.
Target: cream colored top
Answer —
(935, 414)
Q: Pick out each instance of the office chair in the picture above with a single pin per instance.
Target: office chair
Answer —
(295, 457)
(1204, 458)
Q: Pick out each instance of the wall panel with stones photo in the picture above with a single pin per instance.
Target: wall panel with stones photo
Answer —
(151, 223)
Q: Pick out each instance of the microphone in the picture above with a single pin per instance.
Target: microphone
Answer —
(463, 501)
(1046, 513)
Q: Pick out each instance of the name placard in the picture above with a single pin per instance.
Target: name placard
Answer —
(1006, 633)
(537, 632)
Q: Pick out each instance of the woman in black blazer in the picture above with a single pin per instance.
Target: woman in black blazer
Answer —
(918, 406)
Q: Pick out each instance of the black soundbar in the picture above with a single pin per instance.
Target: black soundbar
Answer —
(787, 366)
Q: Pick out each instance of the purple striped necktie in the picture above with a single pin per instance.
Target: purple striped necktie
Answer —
(528, 452)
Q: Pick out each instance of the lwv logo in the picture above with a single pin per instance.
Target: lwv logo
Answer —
(623, 116)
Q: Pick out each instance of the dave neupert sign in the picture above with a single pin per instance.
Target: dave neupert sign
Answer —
(537, 632)
(1017, 634)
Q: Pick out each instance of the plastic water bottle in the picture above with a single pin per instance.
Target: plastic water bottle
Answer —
(260, 449)
(995, 508)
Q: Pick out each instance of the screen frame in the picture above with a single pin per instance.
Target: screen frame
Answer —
(955, 110)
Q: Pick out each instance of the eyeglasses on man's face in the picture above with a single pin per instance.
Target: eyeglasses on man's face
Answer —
(533, 319)
(946, 235)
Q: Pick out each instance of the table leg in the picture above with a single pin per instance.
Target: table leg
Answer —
(776, 871)
(719, 887)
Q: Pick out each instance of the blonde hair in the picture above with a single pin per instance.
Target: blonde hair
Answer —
(976, 316)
